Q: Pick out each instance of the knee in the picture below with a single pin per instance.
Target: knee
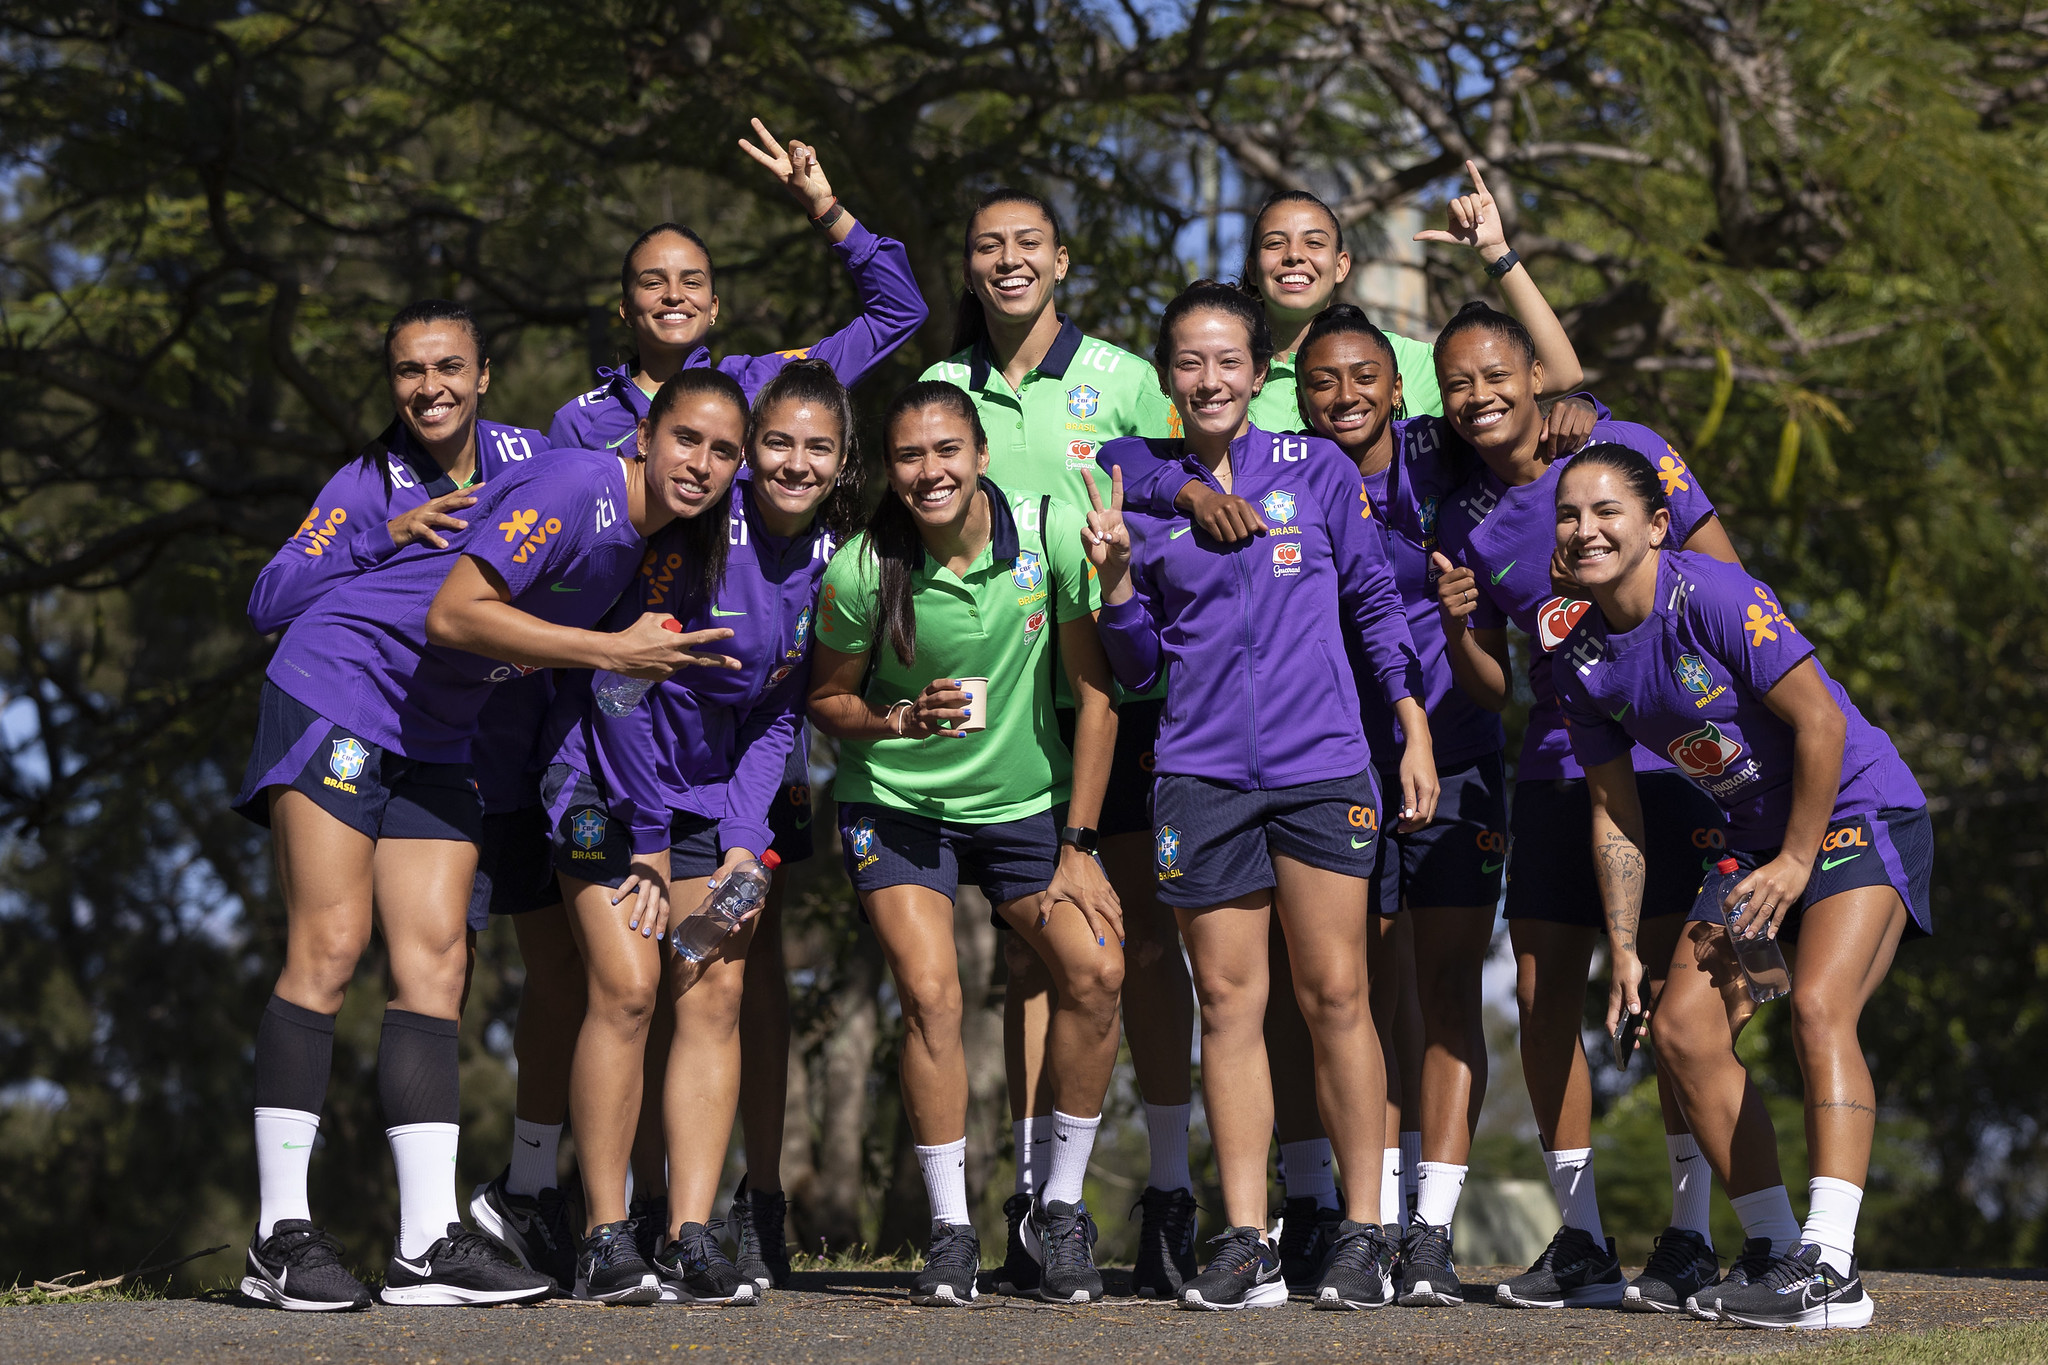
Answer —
(1338, 1001)
(623, 1003)
(328, 954)
(1095, 984)
(1819, 1023)
(932, 1006)
(1683, 1047)
(1230, 1002)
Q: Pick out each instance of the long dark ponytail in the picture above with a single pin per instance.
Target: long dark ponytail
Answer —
(892, 531)
(970, 323)
(704, 537)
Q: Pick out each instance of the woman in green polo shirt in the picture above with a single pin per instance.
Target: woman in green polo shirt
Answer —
(942, 781)
(1048, 396)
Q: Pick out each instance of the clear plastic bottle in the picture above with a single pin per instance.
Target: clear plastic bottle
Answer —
(1764, 971)
(616, 693)
(697, 935)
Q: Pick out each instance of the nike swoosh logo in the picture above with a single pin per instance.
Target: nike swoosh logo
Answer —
(297, 1146)
(1830, 864)
(562, 587)
(531, 1142)
(802, 824)
(1504, 571)
(1485, 868)
(1061, 1136)
(1181, 532)
(1616, 716)
(1040, 1142)
(1682, 1160)
(614, 445)
(1366, 844)
(419, 1269)
(719, 611)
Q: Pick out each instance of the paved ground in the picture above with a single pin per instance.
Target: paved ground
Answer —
(865, 1317)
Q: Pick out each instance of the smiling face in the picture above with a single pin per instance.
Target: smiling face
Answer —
(1349, 388)
(796, 456)
(670, 306)
(1210, 375)
(1489, 390)
(691, 457)
(1012, 262)
(1603, 528)
(1300, 260)
(934, 466)
(436, 381)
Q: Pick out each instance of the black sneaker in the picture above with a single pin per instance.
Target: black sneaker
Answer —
(1166, 1243)
(649, 1218)
(535, 1228)
(1359, 1272)
(763, 1252)
(1428, 1276)
(1061, 1239)
(1752, 1263)
(1681, 1265)
(1800, 1290)
(1244, 1273)
(694, 1269)
(299, 1267)
(1020, 1274)
(1573, 1272)
(1306, 1231)
(947, 1280)
(610, 1268)
(463, 1268)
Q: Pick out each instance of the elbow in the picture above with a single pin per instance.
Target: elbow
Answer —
(443, 625)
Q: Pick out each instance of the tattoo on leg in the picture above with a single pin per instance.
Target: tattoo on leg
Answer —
(1854, 1106)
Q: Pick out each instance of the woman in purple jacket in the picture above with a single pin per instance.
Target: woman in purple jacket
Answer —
(1265, 800)
(680, 789)
(1828, 832)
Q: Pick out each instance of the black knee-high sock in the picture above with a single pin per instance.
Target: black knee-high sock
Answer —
(417, 1069)
(294, 1054)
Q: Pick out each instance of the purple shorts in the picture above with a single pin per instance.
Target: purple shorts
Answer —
(1892, 847)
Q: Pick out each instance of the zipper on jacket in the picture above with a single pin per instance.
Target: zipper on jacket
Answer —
(1251, 683)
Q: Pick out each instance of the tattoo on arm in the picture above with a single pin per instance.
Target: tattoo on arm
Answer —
(1619, 865)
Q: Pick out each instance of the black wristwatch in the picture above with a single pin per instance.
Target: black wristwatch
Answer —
(1508, 261)
(1081, 838)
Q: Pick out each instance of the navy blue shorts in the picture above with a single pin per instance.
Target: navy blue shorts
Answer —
(1455, 859)
(1127, 800)
(1892, 847)
(1214, 843)
(887, 847)
(366, 787)
(591, 846)
(789, 815)
(1550, 849)
(515, 870)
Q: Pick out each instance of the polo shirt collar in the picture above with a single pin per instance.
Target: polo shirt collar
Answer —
(1054, 365)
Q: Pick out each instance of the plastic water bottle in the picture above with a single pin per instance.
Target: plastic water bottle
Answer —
(697, 936)
(616, 693)
(1763, 963)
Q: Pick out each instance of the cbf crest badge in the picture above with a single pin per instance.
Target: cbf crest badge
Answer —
(1428, 518)
(1278, 506)
(587, 829)
(1029, 573)
(1692, 674)
(863, 833)
(1083, 400)
(1166, 848)
(347, 760)
(803, 634)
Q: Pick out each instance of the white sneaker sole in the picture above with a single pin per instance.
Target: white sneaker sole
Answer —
(454, 1296)
(1422, 1296)
(1269, 1295)
(1332, 1301)
(496, 1228)
(944, 1297)
(638, 1295)
(1591, 1296)
(1632, 1301)
(1078, 1296)
(744, 1295)
(263, 1291)
(1835, 1315)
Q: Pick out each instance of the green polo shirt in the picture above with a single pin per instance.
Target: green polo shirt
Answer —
(1043, 434)
(995, 622)
(1277, 409)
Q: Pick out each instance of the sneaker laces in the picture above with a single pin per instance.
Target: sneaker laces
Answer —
(955, 1251)
(1361, 1250)
(1551, 1254)
(1074, 1243)
(1795, 1265)
(553, 1223)
(307, 1248)
(1173, 1211)
(1674, 1254)
(466, 1245)
(1428, 1247)
(1239, 1249)
(697, 1249)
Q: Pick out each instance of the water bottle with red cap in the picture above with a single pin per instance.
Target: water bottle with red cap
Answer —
(738, 894)
(1764, 972)
(618, 694)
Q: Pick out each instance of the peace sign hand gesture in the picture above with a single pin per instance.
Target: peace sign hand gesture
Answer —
(1107, 539)
(796, 167)
(1474, 219)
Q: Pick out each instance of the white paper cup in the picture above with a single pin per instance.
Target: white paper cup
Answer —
(976, 688)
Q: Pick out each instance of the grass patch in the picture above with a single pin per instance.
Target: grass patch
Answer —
(19, 1295)
(2016, 1343)
(861, 1257)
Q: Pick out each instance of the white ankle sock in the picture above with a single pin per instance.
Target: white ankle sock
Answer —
(1692, 1184)
(1768, 1213)
(425, 1156)
(1571, 1180)
(945, 1180)
(284, 1152)
(1032, 1138)
(1073, 1140)
(534, 1152)
(1831, 1220)
(1411, 1163)
(1392, 1204)
(1438, 1185)
(1166, 1128)
(1308, 1169)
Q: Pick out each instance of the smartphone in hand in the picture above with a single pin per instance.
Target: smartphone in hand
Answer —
(1626, 1035)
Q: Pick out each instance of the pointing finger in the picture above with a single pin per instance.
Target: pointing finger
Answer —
(1478, 180)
